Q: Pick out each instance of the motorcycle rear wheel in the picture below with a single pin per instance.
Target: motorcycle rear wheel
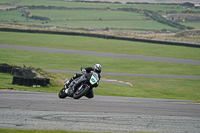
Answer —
(62, 93)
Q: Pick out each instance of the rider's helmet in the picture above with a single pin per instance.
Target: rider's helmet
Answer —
(97, 68)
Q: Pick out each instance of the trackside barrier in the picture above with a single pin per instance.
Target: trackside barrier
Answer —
(158, 41)
(5, 68)
(104, 36)
(23, 76)
(26, 81)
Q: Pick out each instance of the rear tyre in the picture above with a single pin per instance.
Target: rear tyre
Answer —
(62, 93)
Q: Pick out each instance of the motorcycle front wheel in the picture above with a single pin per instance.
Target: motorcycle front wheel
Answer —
(81, 91)
(62, 93)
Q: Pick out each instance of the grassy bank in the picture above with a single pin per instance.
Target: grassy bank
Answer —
(98, 45)
(87, 14)
(185, 89)
(44, 131)
(59, 61)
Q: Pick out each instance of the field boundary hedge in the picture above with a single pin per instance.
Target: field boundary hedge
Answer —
(102, 36)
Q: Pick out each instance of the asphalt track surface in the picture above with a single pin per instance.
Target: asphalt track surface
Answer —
(39, 110)
(102, 54)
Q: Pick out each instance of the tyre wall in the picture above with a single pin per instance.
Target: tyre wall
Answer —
(27, 81)
(23, 76)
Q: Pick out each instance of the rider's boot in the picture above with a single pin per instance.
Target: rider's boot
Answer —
(69, 82)
(69, 88)
(72, 79)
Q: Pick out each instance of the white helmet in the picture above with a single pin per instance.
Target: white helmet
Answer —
(97, 68)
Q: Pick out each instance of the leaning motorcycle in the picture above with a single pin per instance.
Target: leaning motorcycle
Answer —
(80, 86)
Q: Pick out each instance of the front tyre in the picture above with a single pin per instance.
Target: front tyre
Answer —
(81, 91)
(62, 93)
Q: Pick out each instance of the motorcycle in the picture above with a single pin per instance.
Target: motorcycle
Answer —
(80, 86)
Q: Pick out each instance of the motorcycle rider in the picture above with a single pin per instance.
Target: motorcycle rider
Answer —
(96, 68)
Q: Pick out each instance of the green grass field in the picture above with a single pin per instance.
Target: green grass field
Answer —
(151, 25)
(11, 15)
(182, 89)
(43, 131)
(193, 24)
(98, 45)
(58, 15)
(152, 7)
(7, 1)
(47, 60)
(91, 5)
(73, 14)
(86, 14)
(186, 89)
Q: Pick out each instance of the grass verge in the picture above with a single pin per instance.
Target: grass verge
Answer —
(45, 131)
(98, 45)
(59, 61)
(183, 89)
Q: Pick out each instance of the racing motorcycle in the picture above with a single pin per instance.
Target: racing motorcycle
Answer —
(80, 86)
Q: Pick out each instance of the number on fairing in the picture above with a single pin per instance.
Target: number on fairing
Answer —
(93, 80)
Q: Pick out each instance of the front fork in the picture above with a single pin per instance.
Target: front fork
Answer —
(69, 87)
(66, 82)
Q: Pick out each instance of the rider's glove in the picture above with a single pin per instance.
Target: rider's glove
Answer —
(83, 70)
